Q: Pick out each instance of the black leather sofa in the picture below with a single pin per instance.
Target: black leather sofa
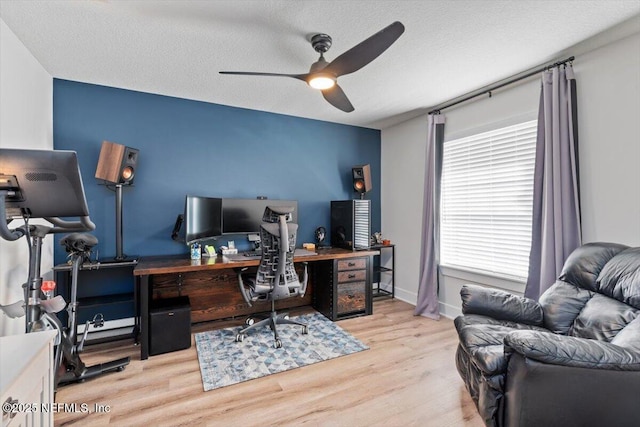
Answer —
(570, 359)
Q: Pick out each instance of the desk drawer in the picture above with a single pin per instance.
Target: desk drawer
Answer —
(352, 276)
(352, 264)
(351, 297)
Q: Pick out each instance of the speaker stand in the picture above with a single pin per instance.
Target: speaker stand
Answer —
(119, 232)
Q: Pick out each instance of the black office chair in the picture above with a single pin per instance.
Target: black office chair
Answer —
(276, 277)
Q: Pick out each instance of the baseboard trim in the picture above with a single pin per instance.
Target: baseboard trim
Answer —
(449, 311)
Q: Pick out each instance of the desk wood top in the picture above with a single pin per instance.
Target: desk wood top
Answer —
(165, 264)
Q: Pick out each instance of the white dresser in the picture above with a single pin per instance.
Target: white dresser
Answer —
(26, 379)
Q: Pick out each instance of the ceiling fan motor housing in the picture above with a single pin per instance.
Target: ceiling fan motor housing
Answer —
(321, 43)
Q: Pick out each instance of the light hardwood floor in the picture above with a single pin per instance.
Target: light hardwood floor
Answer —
(406, 378)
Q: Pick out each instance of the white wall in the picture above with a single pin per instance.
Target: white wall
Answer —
(608, 80)
(609, 132)
(402, 180)
(26, 121)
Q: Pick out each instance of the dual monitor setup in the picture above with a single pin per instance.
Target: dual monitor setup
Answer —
(209, 217)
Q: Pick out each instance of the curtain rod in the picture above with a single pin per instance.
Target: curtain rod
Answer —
(490, 88)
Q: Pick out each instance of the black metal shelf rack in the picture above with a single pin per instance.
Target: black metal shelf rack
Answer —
(381, 271)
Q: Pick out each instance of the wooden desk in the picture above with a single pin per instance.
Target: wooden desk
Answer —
(212, 285)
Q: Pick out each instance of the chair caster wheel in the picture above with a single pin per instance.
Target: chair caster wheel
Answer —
(249, 321)
(239, 338)
(120, 368)
(278, 344)
(305, 330)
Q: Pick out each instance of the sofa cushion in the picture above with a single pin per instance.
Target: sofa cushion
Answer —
(620, 278)
(629, 337)
(602, 318)
(584, 264)
(561, 304)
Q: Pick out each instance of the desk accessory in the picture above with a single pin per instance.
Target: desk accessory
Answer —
(195, 251)
(209, 251)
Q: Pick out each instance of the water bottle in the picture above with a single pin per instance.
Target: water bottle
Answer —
(195, 251)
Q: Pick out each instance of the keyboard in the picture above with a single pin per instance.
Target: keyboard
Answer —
(255, 255)
(251, 254)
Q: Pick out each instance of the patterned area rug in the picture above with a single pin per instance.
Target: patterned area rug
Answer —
(224, 362)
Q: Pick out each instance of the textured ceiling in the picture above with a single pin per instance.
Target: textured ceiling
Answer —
(176, 48)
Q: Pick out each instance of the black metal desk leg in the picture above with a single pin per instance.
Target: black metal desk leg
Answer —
(144, 316)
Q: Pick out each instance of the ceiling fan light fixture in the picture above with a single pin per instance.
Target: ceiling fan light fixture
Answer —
(322, 81)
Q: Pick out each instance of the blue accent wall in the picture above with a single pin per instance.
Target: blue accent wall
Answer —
(204, 149)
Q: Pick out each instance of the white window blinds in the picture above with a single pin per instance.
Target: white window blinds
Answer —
(486, 201)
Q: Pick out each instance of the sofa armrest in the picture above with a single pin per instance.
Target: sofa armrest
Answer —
(565, 350)
(500, 305)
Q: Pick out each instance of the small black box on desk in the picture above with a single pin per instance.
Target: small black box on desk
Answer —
(169, 325)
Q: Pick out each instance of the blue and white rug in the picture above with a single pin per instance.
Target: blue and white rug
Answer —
(224, 362)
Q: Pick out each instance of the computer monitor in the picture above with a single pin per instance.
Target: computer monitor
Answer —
(244, 216)
(42, 184)
(203, 218)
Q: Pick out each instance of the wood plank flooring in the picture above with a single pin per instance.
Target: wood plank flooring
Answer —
(406, 378)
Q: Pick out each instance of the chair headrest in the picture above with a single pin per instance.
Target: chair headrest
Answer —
(273, 213)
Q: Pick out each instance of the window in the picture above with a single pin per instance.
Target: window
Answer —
(486, 201)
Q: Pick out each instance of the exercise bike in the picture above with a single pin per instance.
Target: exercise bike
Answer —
(40, 307)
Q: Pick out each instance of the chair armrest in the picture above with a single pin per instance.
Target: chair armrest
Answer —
(305, 278)
(565, 350)
(500, 305)
(243, 289)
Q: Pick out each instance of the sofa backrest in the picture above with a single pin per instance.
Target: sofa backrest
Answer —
(597, 294)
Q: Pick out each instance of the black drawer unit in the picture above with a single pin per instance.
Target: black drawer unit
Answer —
(343, 287)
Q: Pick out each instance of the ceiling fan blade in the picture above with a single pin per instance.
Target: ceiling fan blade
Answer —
(365, 52)
(302, 77)
(336, 97)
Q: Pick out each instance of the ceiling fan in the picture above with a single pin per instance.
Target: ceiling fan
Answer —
(323, 75)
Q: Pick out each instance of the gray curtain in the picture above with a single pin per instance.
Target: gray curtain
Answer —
(556, 203)
(427, 303)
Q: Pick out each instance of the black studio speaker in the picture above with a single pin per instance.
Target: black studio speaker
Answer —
(361, 178)
(117, 163)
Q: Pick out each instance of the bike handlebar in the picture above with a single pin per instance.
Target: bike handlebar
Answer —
(64, 226)
(59, 225)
